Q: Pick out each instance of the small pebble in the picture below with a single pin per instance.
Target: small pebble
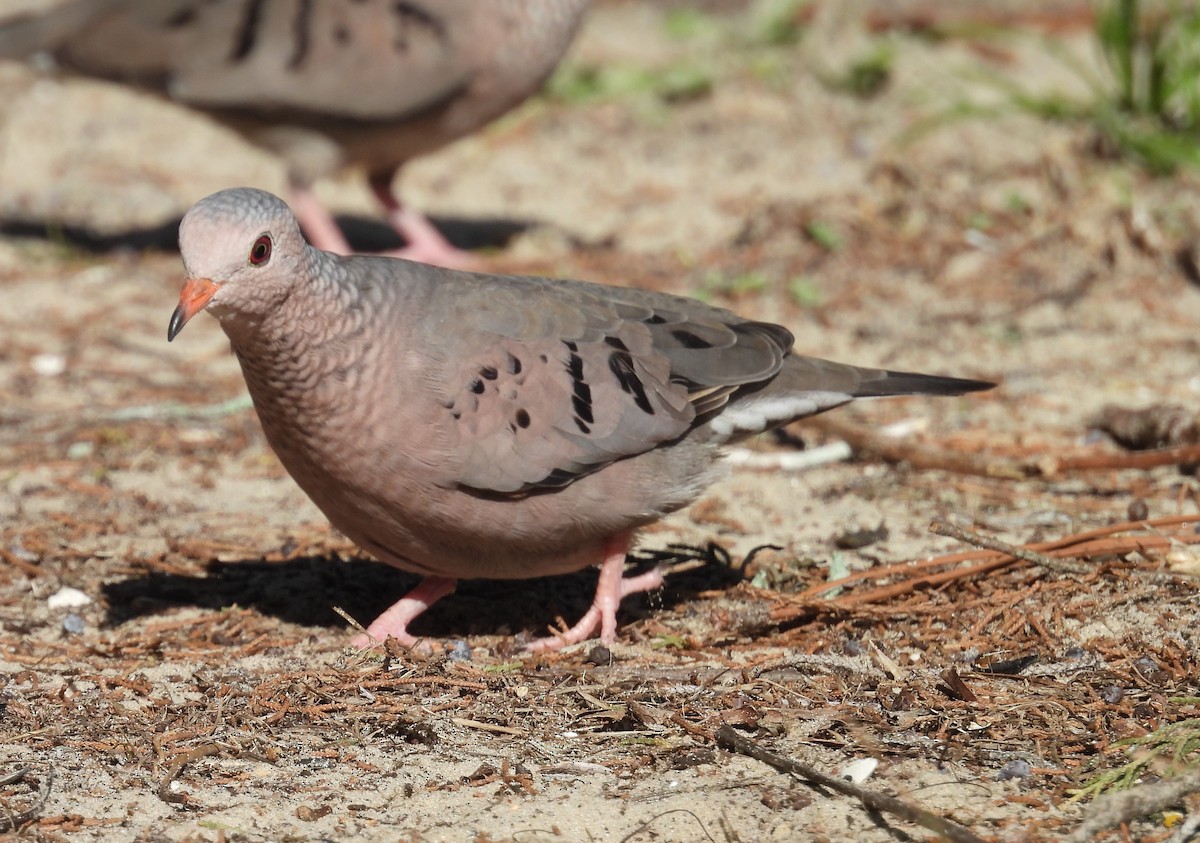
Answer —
(599, 655)
(858, 539)
(308, 813)
(49, 365)
(67, 598)
(1139, 510)
(80, 450)
(1015, 769)
(74, 624)
(1146, 664)
(21, 552)
(858, 770)
(460, 652)
(1113, 694)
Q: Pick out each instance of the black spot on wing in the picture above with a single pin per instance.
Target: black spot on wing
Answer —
(476, 386)
(620, 363)
(689, 340)
(489, 373)
(557, 478)
(247, 32)
(184, 17)
(513, 364)
(574, 363)
(410, 16)
(302, 32)
(581, 398)
(522, 419)
(415, 13)
(655, 319)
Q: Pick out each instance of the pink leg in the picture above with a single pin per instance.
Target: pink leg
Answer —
(612, 588)
(318, 224)
(394, 622)
(425, 243)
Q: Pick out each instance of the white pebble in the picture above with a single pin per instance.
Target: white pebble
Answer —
(68, 598)
(80, 450)
(858, 770)
(49, 365)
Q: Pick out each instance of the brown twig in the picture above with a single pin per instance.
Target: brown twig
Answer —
(1108, 461)
(729, 737)
(181, 760)
(893, 590)
(944, 528)
(691, 728)
(1119, 527)
(1088, 544)
(27, 568)
(1116, 808)
(10, 821)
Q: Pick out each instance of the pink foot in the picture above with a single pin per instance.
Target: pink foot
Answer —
(394, 622)
(612, 588)
(425, 243)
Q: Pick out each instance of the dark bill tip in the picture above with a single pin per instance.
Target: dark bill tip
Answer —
(178, 320)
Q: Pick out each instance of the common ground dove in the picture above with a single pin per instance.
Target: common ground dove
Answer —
(460, 425)
(326, 83)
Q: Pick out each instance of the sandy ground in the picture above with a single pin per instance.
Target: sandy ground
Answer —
(206, 692)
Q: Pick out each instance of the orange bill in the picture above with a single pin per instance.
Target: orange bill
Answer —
(192, 299)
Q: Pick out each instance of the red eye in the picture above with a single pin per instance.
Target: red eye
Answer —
(260, 252)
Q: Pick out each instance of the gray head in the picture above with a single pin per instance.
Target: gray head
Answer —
(243, 251)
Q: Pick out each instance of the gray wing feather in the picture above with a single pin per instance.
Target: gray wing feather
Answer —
(559, 380)
(372, 60)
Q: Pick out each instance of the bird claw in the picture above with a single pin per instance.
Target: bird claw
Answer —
(611, 589)
(393, 623)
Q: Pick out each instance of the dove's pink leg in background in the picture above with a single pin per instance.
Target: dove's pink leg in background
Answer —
(425, 243)
(394, 622)
(612, 588)
(317, 223)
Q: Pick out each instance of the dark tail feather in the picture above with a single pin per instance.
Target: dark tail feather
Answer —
(911, 383)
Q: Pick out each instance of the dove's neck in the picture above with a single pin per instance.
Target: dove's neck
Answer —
(327, 336)
(322, 307)
(323, 368)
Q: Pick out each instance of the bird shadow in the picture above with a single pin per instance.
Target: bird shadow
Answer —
(364, 234)
(304, 591)
(371, 235)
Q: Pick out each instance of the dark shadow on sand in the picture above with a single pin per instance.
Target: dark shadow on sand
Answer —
(303, 591)
(365, 234)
